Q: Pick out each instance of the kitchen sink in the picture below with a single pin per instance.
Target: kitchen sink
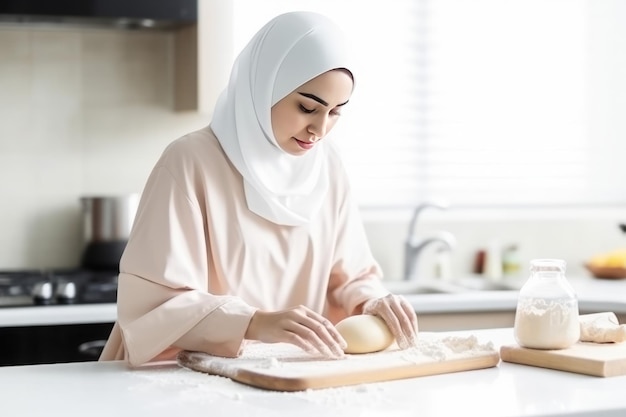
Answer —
(479, 283)
(423, 287)
(459, 285)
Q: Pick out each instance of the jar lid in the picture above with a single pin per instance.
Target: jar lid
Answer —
(554, 265)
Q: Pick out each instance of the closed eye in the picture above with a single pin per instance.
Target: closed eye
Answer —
(305, 110)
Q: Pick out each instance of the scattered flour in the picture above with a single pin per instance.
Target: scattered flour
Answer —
(179, 384)
(209, 390)
(270, 363)
(447, 348)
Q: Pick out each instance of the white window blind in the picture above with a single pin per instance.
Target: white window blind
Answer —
(477, 102)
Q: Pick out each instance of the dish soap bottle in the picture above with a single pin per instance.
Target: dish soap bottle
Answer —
(547, 314)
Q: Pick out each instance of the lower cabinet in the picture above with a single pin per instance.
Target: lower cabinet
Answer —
(31, 345)
(443, 322)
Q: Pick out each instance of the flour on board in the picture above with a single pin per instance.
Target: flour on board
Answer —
(285, 360)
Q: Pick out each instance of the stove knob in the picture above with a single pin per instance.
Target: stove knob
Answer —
(42, 293)
(66, 292)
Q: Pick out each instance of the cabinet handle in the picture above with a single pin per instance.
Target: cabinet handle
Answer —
(92, 348)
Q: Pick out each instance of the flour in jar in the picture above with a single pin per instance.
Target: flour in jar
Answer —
(547, 324)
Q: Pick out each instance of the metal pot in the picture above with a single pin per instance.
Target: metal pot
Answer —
(107, 222)
(108, 219)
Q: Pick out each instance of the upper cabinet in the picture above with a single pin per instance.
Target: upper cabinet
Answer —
(203, 57)
(202, 33)
(136, 14)
(200, 28)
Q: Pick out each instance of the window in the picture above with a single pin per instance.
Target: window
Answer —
(478, 102)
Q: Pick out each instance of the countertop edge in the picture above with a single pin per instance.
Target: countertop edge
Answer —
(58, 315)
(593, 296)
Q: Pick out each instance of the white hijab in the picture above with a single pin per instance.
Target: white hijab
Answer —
(288, 51)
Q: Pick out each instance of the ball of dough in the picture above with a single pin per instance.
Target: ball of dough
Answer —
(365, 333)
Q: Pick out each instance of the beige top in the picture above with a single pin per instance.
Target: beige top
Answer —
(198, 263)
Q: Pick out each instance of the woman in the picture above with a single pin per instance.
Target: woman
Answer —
(246, 229)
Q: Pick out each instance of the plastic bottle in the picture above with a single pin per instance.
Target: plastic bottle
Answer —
(547, 314)
(510, 261)
(443, 264)
(493, 263)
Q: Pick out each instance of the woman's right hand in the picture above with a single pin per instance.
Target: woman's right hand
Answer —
(299, 326)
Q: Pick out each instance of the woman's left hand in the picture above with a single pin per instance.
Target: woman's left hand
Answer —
(399, 315)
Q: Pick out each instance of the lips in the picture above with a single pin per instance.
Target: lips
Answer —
(304, 145)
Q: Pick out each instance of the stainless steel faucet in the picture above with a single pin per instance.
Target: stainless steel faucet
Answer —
(413, 245)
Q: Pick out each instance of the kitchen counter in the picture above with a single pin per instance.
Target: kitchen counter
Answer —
(110, 388)
(57, 315)
(594, 295)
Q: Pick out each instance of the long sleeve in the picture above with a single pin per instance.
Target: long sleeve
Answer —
(163, 286)
(171, 290)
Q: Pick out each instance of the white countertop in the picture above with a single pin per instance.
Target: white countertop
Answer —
(110, 388)
(57, 315)
(594, 295)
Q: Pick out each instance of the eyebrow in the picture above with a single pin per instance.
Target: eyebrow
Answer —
(319, 100)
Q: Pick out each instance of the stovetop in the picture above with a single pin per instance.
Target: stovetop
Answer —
(25, 288)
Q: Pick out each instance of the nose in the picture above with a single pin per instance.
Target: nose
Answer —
(318, 128)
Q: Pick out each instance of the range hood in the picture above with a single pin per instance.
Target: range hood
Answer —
(126, 14)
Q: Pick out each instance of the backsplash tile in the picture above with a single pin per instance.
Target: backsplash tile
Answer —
(131, 68)
(84, 112)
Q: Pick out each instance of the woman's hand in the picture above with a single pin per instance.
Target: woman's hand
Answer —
(299, 326)
(399, 315)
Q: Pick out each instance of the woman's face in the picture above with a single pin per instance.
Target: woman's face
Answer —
(307, 114)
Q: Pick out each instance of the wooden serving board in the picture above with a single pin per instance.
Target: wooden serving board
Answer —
(597, 359)
(284, 367)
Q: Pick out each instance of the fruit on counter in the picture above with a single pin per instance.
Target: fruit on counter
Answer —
(613, 259)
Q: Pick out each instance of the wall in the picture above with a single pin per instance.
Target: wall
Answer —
(83, 112)
(572, 235)
(86, 112)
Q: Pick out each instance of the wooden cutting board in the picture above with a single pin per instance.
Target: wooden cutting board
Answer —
(284, 367)
(598, 359)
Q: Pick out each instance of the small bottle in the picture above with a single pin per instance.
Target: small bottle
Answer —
(493, 263)
(510, 261)
(547, 314)
(443, 264)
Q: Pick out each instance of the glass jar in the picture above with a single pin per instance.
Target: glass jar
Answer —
(547, 308)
